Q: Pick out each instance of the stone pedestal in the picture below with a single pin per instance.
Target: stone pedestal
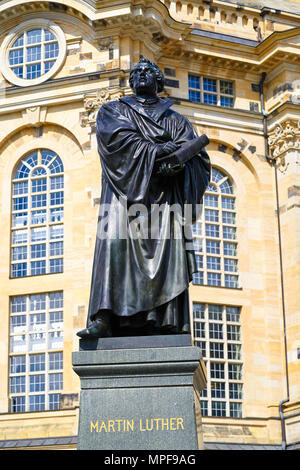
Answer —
(140, 393)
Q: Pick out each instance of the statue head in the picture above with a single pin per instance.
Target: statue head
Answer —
(146, 77)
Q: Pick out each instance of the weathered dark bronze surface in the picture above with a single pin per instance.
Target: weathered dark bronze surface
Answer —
(140, 286)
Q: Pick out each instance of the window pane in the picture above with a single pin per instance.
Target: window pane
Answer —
(56, 299)
(56, 381)
(17, 384)
(51, 50)
(39, 185)
(198, 278)
(57, 182)
(19, 269)
(228, 203)
(20, 219)
(226, 87)
(56, 198)
(56, 320)
(17, 364)
(56, 340)
(212, 247)
(37, 403)
(217, 370)
(230, 265)
(20, 252)
(56, 248)
(54, 401)
(234, 351)
(56, 231)
(20, 188)
(55, 360)
(194, 81)
(39, 200)
(19, 237)
(37, 362)
(199, 261)
(226, 101)
(33, 71)
(194, 96)
(198, 310)
(38, 251)
(236, 410)
(229, 232)
(231, 281)
(34, 53)
(215, 312)
(218, 408)
(216, 350)
(37, 341)
(38, 322)
(218, 390)
(210, 99)
(18, 404)
(230, 249)
(233, 332)
(233, 314)
(199, 330)
(209, 84)
(18, 304)
(235, 391)
(18, 344)
(38, 267)
(211, 200)
(212, 230)
(38, 234)
(20, 203)
(18, 324)
(211, 215)
(56, 265)
(213, 279)
(37, 302)
(235, 371)
(57, 214)
(37, 383)
(216, 330)
(213, 262)
(38, 217)
(34, 36)
(228, 217)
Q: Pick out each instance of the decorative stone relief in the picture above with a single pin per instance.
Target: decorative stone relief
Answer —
(34, 116)
(285, 138)
(105, 43)
(93, 102)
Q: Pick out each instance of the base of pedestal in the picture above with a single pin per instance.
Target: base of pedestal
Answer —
(140, 397)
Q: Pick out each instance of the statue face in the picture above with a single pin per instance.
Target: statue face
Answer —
(144, 80)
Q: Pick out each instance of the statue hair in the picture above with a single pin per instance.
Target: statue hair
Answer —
(160, 79)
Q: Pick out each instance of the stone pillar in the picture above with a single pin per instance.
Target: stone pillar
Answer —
(140, 393)
(284, 145)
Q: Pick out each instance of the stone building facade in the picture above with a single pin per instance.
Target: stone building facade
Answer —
(233, 70)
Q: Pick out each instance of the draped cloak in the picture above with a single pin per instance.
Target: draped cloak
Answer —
(133, 274)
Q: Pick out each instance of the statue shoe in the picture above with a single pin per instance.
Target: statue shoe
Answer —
(97, 329)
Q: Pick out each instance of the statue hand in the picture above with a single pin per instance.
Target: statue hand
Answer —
(170, 169)
(166, 149)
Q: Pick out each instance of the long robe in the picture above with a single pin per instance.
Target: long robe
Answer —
(133, 274)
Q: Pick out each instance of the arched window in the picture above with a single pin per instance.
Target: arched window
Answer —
(37, 215)
(215, 241)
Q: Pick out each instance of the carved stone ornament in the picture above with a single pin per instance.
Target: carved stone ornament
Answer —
(93, 102)
(284, 138)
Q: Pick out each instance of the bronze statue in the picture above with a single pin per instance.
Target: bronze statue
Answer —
(151, 161)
